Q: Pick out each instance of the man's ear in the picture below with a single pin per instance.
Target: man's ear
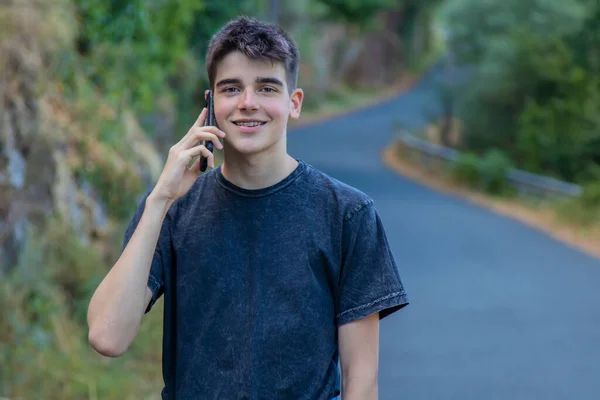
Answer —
(296, 103)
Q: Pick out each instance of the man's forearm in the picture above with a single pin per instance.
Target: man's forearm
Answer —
(117, 306)
(359, 357)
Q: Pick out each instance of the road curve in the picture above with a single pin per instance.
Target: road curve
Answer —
(498, 310)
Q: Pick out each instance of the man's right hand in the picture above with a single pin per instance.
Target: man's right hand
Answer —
(176, 178)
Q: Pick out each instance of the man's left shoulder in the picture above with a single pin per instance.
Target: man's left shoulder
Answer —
(349, 198)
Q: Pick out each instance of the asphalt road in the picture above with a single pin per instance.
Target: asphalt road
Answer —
(498, 310)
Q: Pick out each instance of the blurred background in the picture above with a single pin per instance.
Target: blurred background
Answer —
(93, 94)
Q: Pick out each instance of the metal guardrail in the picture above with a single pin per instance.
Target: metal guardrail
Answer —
(526, 183)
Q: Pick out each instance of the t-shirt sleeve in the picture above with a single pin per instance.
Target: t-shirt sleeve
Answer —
(162, 253)
(369, 279)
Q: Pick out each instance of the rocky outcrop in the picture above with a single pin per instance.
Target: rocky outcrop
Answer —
(46, 147)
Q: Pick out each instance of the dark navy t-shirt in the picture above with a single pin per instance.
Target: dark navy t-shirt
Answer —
(260, 281)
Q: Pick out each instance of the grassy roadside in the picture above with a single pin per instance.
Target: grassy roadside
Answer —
(544, 218)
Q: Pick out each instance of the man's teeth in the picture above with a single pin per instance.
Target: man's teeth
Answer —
(249, 123)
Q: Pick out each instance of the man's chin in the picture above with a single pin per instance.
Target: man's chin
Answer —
(246, 148)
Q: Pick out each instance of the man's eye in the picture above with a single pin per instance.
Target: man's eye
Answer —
(268, 89)
(230, 90)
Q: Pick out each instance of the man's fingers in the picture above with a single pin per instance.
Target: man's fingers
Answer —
(186, 138)
(207, 133)
(212, 129)
(194, 165)
(201, 117)
(200, 150)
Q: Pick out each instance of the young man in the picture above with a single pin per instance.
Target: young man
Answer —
(271, 270)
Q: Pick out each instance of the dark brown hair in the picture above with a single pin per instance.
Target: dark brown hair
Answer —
(257, 40)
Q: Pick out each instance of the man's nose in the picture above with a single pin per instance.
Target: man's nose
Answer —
(248, 100)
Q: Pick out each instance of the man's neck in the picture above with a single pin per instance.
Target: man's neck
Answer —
(259, 171)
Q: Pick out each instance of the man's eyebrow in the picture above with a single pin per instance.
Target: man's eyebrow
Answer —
(238, 81)
(231, 81)
(270, 80)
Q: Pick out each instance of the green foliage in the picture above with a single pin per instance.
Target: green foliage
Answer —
(43, 330)
(482, 31)
(131, 49)
(563, 134)
(534, 91)
(493, 169)
(105, 151)
(487, 173)
(466, 169)
(357, 12)
(591, 196)
(118, 188)
(584, 210)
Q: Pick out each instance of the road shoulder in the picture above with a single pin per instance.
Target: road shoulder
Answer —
(541, 219)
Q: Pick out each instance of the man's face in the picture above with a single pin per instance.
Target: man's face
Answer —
(252, 103)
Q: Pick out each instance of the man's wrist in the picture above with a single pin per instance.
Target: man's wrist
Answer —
(158, 203)
(363, 389)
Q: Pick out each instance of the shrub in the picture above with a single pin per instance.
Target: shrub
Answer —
(493, 168)
(466, 169)
(487, 173)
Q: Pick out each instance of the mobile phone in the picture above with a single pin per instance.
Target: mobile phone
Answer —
(210, 121)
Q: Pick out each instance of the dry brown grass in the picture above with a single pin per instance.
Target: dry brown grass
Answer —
(544, 219)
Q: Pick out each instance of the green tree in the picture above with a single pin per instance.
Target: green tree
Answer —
(534, 90)
(132, 48)
(356, 12)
